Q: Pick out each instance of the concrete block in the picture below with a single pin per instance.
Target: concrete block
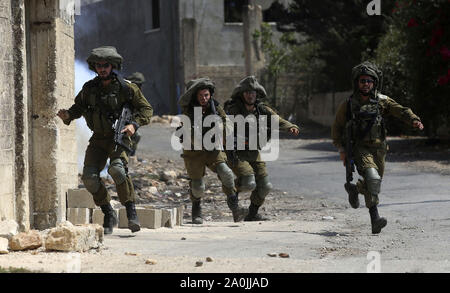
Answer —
(149, 218)
(97, 216)
(123, 220)
(80, 198)
(78, 215)
(180, 212)
(4, 245)
(169, 217)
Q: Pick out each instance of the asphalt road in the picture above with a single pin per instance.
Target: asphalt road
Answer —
(415, 202)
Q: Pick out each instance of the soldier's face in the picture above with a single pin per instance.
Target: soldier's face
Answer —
(203, 97)
(365, 84)
(103, 69)
(250, 97)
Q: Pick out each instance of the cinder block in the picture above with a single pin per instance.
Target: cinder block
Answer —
(97, 216)
(169, 217)
(149, 218)
(80, 198)
(123, 220)
(78, 216)
(180, 211)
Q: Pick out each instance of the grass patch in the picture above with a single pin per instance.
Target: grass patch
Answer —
(16, 270)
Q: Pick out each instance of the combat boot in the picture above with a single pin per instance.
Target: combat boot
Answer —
(237, 211)
(197, 212)
(133, 221)
(352, 195)
(253, 214)
(109, 219)
(377, 222)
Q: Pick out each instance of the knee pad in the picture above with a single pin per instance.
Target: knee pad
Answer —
(226, 175)
(263, 186)
(117, 171)
(91, 179)
(197, 187)
(373, 181)
(247, 183)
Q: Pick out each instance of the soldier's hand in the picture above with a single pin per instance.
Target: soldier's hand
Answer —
(418, 124)
(129, 129)
(294, 131)
(342, 157)
(63, 114)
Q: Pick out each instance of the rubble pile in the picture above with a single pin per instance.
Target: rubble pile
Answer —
(164, 183)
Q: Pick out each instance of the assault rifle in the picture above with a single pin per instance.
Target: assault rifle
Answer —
(124, 119)
(349, 162)
(231, 154)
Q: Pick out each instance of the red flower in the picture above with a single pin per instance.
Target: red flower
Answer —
(443, 80)
(412, 22)
(445, 53)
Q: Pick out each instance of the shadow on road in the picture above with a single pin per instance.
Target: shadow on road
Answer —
(409, 203)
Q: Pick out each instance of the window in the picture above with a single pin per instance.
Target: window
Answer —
(274, 13)
(152, 16)
(233, 10)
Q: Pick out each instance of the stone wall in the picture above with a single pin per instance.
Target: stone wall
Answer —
(225, 77)
(54, 161)
(37, 151)
(7, 196)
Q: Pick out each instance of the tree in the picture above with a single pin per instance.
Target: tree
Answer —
(414, 56)
(343, 31)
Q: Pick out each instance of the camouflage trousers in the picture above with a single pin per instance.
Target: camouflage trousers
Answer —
(366, 157)
(97, 154)
(250, 163)
(196, 162)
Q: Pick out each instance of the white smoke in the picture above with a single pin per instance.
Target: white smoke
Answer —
(82, 75)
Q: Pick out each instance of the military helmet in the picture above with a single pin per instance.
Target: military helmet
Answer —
(105, 53)
(193, 86)
(137, 78)
(249, 83)
(370, 69)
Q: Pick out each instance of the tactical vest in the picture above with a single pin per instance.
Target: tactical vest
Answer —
(260, 110)
(367, 120)
(102, 107)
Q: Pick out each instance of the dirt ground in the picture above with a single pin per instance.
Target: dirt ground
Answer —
(327, 241)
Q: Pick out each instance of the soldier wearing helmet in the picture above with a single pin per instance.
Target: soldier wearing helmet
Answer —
(100, 102)
(360, 121)
(137, 78)
(199, 94)
(246, 100)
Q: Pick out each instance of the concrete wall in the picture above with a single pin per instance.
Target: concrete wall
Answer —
(37, 154)
(155, 53)
(322, 107)
(7, 191)
(53, 146)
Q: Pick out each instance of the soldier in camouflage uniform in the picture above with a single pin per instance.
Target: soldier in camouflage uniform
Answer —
(100, 102)
(363, 116)
(249, 168)
(137, 78)
(200, 94)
